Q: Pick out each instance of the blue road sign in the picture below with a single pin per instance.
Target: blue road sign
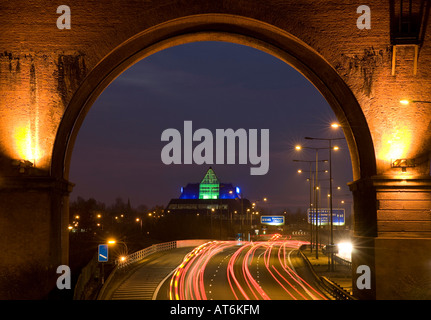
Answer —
(272, 220)
(103, 253)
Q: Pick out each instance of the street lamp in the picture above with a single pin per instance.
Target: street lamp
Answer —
(211, 219)
(310, 171)
(139, 220)
(113, 242)
(298, 147)
(330, 191)
(254, 207)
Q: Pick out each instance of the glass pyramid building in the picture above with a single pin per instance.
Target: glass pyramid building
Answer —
(210, 188)
(209, 194)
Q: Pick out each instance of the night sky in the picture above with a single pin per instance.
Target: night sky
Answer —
(217, 86)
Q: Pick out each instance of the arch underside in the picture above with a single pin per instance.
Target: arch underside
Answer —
(228, 28)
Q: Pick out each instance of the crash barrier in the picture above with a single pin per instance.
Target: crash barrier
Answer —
(141, 254)
(335, 290)
(331, 287)
(342, 261)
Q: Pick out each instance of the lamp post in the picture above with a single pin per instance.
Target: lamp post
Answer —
(310, 171)
(253, 207)
(330, 192)
(113, 241)
(316, 196)
(211, 217)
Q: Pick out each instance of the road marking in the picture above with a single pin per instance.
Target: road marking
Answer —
(156, 292)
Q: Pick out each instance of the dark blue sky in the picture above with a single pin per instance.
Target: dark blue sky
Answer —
(217, 86)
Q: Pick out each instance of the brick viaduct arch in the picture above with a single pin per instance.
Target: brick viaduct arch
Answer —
(49, 84)
(229, 28)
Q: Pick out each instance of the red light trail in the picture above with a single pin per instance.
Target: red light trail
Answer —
(278, 280)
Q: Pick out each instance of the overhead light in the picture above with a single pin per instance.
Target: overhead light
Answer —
(405, 102)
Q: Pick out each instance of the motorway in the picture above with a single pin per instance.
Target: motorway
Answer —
(228, 270)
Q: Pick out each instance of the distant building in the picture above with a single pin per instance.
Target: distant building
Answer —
(210, 196)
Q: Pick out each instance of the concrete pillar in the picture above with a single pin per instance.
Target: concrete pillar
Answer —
(33, 235)
(397, 246)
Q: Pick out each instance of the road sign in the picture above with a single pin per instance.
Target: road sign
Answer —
(324, 216)
(272, 220)
(103, 253)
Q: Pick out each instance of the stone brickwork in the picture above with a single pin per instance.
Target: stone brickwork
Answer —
(50, 77)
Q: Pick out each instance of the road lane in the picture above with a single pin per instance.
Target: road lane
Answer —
(226, 270)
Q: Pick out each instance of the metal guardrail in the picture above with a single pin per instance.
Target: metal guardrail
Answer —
(342, 261)
(335, 290)
(331, 287)
(141, 254)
